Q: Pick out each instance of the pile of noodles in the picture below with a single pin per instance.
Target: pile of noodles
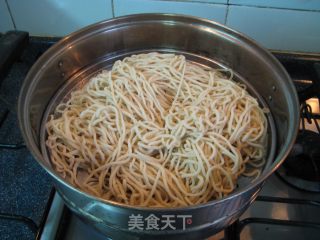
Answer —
(158, 131)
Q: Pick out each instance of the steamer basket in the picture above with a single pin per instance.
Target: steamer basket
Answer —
(70, 63)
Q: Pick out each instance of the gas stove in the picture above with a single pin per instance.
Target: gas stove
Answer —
(287, 207)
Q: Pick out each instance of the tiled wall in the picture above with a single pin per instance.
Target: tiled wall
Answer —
(276, 24)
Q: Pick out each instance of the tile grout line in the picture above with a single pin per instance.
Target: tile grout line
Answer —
(192, 1)
(273, 8)
(112, 8)
(11, 16)
(241, 5)
(226, 16)
(227, 12)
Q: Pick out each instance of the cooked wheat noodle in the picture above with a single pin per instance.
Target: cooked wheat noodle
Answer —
(158, 131)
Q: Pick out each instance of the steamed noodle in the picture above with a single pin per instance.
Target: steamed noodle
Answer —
(159, 131)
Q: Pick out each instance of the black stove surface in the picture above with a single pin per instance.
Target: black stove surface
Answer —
(25, 186)
(304, 69)
(302, 167)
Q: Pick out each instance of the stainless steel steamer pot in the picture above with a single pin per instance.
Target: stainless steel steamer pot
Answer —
(99, 45)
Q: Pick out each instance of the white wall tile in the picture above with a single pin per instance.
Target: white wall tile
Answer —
(5, 19)
(278, 28)
(293, 4)
(215, 12)
(57, 17)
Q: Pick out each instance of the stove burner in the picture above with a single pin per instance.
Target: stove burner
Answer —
(302, 167)
(304, 160)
